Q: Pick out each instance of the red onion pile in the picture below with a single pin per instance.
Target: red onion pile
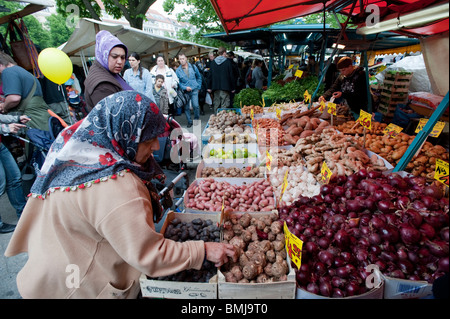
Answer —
(398, 223)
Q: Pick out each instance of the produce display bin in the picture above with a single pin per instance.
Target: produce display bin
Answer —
(251, 149)
(272, 290)
(153, 288)
(374, 293)
(203, 164)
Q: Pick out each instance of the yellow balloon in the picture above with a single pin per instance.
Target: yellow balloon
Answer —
(55, 65)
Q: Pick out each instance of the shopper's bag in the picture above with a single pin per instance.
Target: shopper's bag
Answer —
(181, 99)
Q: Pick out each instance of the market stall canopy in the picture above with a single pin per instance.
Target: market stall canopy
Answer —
(32, 7)
(238, 15)
(82, 42)
(300, 35)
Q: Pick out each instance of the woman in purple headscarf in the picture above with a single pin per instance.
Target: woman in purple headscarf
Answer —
(104, 76)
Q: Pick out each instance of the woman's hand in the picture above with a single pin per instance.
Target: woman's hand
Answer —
(15, 127)
(337, 94)
(218, 253)
(24, 119)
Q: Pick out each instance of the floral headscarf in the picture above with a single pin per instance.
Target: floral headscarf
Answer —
(103, 144)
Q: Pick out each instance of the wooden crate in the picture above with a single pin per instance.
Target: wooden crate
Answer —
(152, 288)
(274, 290)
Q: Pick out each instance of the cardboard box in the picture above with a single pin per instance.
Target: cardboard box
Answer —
(152, 288)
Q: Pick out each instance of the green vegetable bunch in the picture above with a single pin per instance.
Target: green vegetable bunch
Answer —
(248, 96)
(293, 90)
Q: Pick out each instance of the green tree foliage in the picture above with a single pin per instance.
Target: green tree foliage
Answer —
(60, 31)
(132, 10)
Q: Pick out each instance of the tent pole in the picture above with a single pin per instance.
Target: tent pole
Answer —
(369, 95)
(269, 75)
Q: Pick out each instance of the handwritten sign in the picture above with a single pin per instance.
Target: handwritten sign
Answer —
(326, 173)
(252, 114)
(441, 172)
(290, 67)
(332, 108)
(306, 97)
(365, 119)
(278, 113)
(298, 73)
(392, 130)
(284, 185)
(321, 106)
(268, 161)
(437, 129)
(294, 246)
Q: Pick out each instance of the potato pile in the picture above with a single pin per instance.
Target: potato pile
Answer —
(303, 127)
(351, 127)
(246, 109)
(251, 171)
(208, 195)
(227, 122)
(393, 148)
(260, 244)
(197, 229)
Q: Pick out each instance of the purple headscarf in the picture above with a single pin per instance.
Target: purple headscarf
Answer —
(104, 43)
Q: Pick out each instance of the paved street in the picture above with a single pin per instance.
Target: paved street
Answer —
(9, 267)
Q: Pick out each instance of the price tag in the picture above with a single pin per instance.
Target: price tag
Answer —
(278, 113)
(306, 97)
(326, 173)
(290, 67)
(322, 106)
(240, 104)
(441, 172)
(332, 108)
(298, 73)
(263, 103)
(437, 129)
(252, 115)
(392, 130)
(365, 119)
(294, 246)
(284, 185)
(268, 160)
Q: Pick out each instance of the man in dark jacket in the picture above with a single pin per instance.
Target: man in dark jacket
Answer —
(351, 85)
(221, 79)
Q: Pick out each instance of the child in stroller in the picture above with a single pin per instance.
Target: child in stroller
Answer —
(176, 147)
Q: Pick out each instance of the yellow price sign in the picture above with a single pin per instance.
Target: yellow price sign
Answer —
(298, 73)
(365, 119)
(392, 130)
(306, 97)
(263, 103)
(326, 173)
(437, 129)
(252, 114)
(322, 106)
(290, 67)
(294, 246)
(441, 172)
(268, 160)
(332, 108)
(278, 113)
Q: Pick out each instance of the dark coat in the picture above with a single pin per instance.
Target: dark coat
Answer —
(221, 76)
(99, 84)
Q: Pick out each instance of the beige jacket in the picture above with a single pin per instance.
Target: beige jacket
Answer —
(101, 237)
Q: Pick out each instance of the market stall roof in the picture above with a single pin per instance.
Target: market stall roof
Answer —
(82, 42)
(312, 34)
(238, 15)
(32, 7)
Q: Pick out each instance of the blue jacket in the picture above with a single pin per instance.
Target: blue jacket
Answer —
(194, 81)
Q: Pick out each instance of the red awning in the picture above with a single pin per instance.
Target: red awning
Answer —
(238, 15)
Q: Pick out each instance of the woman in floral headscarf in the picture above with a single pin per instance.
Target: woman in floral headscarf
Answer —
(104, 75)
(88, 225)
